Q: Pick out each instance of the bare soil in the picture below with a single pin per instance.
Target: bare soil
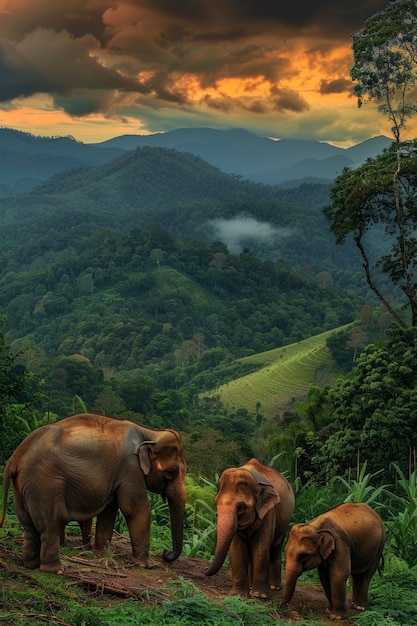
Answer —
(115, 578)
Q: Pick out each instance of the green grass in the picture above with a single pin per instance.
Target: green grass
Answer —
(285, 373)
(31, 598)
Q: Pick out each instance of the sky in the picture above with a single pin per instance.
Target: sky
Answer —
(97, 69)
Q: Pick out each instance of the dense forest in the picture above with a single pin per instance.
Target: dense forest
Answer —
(118, 298)
(187, 197)
(132, 287)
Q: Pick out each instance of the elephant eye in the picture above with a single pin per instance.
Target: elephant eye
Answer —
(302, 556)
(241, 508)
(171, 473)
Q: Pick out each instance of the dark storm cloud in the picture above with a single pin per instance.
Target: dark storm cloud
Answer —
(251, 15)
(83, 53)
(289, 100)
(48, 62)
(336, 86)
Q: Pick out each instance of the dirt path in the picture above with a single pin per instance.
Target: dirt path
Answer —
(114, 577)
(117, 577)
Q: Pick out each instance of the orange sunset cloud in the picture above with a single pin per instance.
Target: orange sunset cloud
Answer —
(102, 68)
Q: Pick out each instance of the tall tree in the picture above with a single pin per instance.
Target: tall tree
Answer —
(381, 216)
(373, 410)
(385, 55)
(383, 191)
(19, 392)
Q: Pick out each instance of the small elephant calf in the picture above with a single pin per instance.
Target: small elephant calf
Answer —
(254, 507)
(346, 541)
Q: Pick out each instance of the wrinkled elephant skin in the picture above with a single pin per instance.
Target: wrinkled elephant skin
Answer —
(254, 507)
(346, 541)
(89, 465)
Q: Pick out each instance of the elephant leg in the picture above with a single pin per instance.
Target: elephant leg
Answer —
(338, 579)
(85, 528)
(360, 586)
(31, 548)
(325, 581)
(50, 551)
(275, 566)
(239, 560)
(260, 558)
(104, 528)
(138, 519)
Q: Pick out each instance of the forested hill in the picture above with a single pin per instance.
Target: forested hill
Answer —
(186, 196)
(173, 309)
(122, 270)
(27, 160)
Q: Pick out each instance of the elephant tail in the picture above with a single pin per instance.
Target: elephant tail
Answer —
(381, 565)
(6, 482)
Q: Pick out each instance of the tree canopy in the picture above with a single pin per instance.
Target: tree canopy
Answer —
(371, 414)
(385, 57)
(366, 205)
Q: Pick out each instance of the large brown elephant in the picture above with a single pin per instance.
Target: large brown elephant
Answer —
(347, 540)
(90, 465)
(254, 507)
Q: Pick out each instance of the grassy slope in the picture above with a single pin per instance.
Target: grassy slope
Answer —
(286, 373)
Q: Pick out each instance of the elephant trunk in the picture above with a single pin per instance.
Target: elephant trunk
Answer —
(226, 529)
(175, 494)
(291, 577)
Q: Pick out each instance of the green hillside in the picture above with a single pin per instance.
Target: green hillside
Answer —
(187, 196)
(286, 374)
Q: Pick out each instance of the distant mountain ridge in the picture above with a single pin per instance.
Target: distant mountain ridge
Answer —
(257, 158)
(186, 196)
(27, 161)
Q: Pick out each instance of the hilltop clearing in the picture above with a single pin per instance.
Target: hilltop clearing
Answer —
(285, 375)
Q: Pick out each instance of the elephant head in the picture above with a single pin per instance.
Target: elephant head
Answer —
(243, 499)
(307, 547)
(162, 462)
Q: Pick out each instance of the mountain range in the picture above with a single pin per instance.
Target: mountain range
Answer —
(259, 159)
(27, 160)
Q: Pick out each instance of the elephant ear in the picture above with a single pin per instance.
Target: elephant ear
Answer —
(145, 456)
(268, 496)
(327, 543)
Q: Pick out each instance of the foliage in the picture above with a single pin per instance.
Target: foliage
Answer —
(20, 393)
(402, 522)
(382, 192)
(180, 326)
(280, 375)
(232, 612)
(371, 413)
(35, 598)
(392, 599)
(312, 500)
(385, 55)
(361, 489)
(366, 204)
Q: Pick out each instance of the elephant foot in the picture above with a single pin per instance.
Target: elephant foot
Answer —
(259, 595)
(239, 592)
(52, 569)
(358, 607)
(276, 587)
(335, 616)
(141, 562)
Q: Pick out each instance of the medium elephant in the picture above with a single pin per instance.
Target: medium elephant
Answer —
(254, 507)
(90, 465)
(347, 540)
